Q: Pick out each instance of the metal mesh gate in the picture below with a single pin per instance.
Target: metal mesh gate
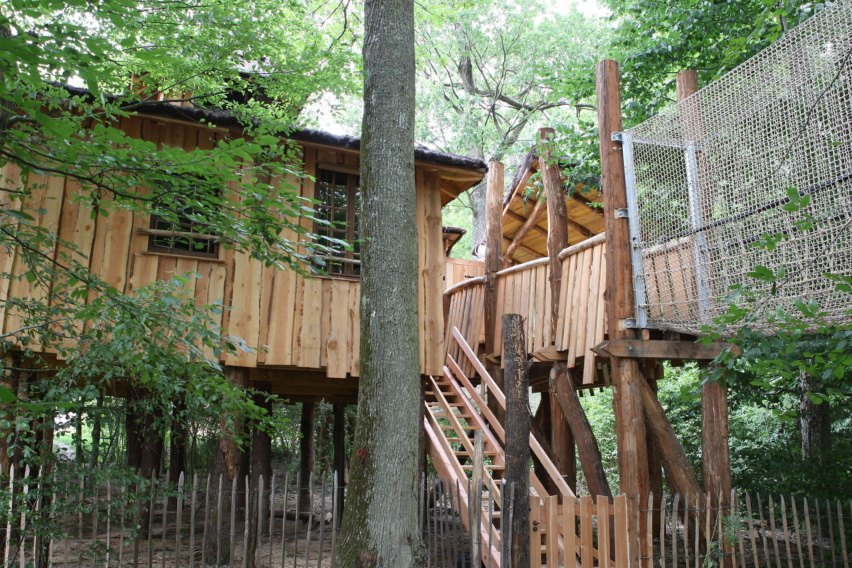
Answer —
(709, 177)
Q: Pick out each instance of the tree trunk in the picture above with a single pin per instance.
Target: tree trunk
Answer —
(478, 199)
(227, 463)
(96, 432)
(380, 525)
(307, 453)
(517, 434)
(177, 448)
(816, 423)
(339, 437)
(261, 441)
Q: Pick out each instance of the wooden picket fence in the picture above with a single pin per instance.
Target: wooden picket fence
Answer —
(64, 521)
(746, 531)
(96, 522)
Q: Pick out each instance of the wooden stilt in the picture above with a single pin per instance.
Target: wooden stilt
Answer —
(620, 305)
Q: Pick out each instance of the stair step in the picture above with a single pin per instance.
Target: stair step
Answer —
(485, 453)
(501, 467)
(463, 426)
(465, 416)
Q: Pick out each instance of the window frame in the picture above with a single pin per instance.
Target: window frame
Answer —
(213, 248)
(351, 270)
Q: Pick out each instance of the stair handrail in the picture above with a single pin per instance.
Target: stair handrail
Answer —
(498, 395)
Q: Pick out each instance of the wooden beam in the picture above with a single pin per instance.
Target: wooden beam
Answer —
(627, 397)
(582, 229)
(523, 183)
(526, 249)
(653, 349)
(528, 225)
(522, 219)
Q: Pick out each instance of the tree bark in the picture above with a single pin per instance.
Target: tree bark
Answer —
(261, 441)
(517, 435)
(96, 432)
(307, 453)
(227, 463)
(380, 524)
(816, 423)
(561, 385)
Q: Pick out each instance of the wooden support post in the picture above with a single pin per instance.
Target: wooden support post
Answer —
(557, 240)
(620, 303)
(307, 453)
(715, 454)
(339, 442)
(654, 374)
(517, 434)
(562, 389)
(557, 220)
(493, 264)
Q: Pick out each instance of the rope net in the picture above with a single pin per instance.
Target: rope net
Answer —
(711, 176)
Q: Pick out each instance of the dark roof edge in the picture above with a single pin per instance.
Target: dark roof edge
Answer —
(308, 135)
(453, 230)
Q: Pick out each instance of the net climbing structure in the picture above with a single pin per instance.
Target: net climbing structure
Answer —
(710, 178)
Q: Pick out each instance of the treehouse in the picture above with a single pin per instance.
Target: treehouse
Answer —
(303, 331)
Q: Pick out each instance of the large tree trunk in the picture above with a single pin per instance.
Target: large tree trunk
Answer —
(816, 423)
(380, 525)
(307, 454)
(228, 463)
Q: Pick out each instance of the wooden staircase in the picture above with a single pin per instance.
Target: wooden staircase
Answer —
(455, 410)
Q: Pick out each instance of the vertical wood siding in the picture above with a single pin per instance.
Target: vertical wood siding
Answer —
(301, 322)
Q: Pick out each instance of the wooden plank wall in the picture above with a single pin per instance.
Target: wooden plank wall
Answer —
(458, 270)
(304, 322)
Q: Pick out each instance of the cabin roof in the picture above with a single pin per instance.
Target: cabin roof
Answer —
(584, 220)
(452, 235)
(458, 173)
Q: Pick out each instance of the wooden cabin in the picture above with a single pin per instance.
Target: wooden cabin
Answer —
(304, 331)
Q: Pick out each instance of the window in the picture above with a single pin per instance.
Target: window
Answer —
(339, 195)
(184, 234)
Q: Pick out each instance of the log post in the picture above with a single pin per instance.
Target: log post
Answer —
(493, 264)
(715, 453)
(517, 434)
(620, 304)
(562, 389)
(654, 373)
(562, 438)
